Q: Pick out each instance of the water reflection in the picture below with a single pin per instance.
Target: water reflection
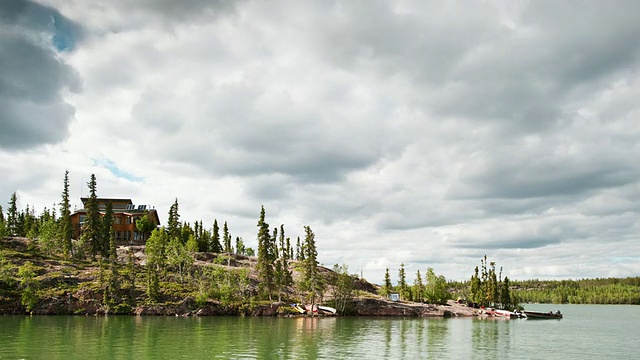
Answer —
(437, 335)
(606, 333)
(490, 336)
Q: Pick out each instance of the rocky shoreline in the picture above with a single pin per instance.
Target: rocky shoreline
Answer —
(73, 305)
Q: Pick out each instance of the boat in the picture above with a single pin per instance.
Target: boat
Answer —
(327, 309)
(320, 309)
(542, 315)
(503, 313)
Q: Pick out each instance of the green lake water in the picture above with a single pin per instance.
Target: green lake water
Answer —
(586, 332)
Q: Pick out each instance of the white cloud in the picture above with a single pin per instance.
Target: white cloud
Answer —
(424, 133)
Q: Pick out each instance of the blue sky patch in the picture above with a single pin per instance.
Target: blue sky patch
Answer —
(108, 164)
(64, 37)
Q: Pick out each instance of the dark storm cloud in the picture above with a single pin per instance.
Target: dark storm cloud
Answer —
(32, 75)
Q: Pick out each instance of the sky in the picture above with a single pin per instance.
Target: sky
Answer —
(423, 133)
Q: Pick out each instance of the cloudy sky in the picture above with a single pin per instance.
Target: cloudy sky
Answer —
(423, 132)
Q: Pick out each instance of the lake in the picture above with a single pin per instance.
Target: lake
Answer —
(586, 332)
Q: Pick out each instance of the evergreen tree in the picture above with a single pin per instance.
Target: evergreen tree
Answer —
(111, 292)
(226, 236)
(418, 288)
(505, 295)
(386, 288)
(91, 229)
(312, 281)
(298, 249)
(475, 288)
(283, 275)
(202, 238)
(113, 250)
(131, 278)
(107, 230)
(402, 283)
(240, 249)
(289, 249)
(27, 273)
(215, 246)
(12, 215)
(173, 223)
(66, 228)
(185, 232)
(153, 285)
(265, 266)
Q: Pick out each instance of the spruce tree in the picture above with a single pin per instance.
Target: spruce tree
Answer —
(240, 249)
(173, 223)
(312, 281)
(265, 263)
(418, 288)
(402, 282)
(12, 215)
(215, 246)
(386, 288)
(283, 276)
(107, 231)
(66, 227)
(91, 229)
(226, 236)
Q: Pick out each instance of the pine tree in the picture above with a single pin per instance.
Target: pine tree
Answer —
(475, 288)
(107, 231)
(66, 228)
(215, 246)
(265, 264)
(240, 249)
(312, 281)
(12, 215)
(402, 283)
(386, 288)
(298, 249)
(283, 276)
(173, 223)
(113, 252)
(91, 229)
(418, 288)
(227, 238)
(289, 249)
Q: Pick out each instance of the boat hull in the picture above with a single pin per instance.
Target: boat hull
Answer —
(542, 315)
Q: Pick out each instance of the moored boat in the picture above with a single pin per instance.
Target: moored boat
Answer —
(503, 313)
(542, 315)
(327, 309)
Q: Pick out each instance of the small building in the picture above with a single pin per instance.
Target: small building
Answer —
(125, 214)
(394, 297)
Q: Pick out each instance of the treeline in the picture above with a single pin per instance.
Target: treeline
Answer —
(487, 288)
(169, 272)
(584, 291)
